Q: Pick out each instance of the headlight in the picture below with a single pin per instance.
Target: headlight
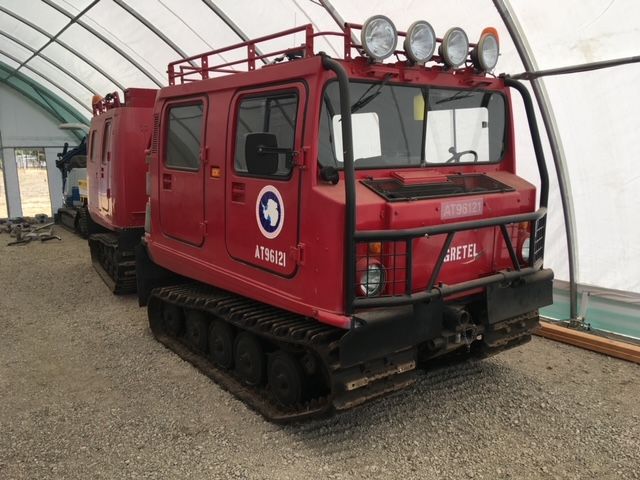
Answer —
(485, 55)
(420, 42)
(454, 47)
(525, 250)
(372, 280)
(379, 37)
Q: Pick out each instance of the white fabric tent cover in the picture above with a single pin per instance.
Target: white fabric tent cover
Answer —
(597, 112)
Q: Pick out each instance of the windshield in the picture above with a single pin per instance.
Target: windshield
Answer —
(402, 126)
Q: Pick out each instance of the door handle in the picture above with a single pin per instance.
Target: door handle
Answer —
(237, 192)
(166, 181)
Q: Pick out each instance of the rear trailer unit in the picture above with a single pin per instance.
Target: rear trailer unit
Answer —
(119, 134)
(330, 224)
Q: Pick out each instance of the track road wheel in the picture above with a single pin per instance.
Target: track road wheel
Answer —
(197, 330)
(249, 359)
(221, 344)
(173, 320)
(285, 378)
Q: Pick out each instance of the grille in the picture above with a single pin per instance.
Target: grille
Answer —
(156, 133)
(538, 243)
(395, 256)
(455, 185)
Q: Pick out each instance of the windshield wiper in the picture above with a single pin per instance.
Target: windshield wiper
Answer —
(366, 99)
(456, 96)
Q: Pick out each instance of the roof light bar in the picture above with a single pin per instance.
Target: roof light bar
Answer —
(485, 55)
(378, 37)
(454, 47)
(420, 42)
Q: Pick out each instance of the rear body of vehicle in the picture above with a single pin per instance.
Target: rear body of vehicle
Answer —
(119, 135)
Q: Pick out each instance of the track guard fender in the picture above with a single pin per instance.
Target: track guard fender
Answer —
(150, 275)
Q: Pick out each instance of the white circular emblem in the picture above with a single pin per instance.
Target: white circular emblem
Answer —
(270, 211)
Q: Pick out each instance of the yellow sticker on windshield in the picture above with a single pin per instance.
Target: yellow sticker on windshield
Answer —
(418, 108)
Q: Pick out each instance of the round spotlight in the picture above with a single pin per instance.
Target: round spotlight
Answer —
(379, 37)
(485, 55)
(525, 250)
(420, 42)
(372, 280)
(454, 47)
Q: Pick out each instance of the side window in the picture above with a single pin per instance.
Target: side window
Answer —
(92, 146)
(184, 134)
(106, 143)
(275, 114)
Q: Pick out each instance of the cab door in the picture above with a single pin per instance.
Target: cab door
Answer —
(104, 171)
(181, 168)
(262, 211)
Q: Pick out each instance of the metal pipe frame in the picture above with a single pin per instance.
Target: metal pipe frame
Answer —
(450, 229)
(231, 24)
(63, 45)
(585, 67)
(526, 55)
(152, 27)
(333, 13)
(55, 37)
(42, 75)
(50, 61)
(112, 45)
(315, 26)
(349, 181)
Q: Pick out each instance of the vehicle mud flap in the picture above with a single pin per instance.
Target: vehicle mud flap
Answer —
(66, 217)
(392, 329)
(507, 334)
(150, 275)
(520, 297)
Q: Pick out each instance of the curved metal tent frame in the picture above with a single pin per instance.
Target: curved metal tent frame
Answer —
(45, 77)
(557, 150)
(60, 110)
(49, 60)
(97, 34)
(64, 45)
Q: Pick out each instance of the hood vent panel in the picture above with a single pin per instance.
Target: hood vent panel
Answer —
(398, 189)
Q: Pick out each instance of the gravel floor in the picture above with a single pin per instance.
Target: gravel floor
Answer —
(86, 392)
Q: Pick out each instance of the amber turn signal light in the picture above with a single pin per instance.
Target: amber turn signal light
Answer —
(375, 248)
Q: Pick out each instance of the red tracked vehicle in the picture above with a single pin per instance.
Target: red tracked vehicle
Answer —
(119, 134)
(329, 224)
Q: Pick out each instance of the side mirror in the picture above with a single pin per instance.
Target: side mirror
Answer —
(261, 153)
(330, 174)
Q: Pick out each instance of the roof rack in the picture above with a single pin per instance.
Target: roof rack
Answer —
(200, 67)
(101, 105)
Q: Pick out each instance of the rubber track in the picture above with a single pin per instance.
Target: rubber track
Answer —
(116, 268)
(278, 327)
(83, 222)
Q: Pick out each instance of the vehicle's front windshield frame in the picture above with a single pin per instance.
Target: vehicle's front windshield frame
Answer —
(418, 87)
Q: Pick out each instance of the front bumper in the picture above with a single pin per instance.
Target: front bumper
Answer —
(394, 328)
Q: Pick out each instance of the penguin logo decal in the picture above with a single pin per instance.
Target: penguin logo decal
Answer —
(270, 211)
